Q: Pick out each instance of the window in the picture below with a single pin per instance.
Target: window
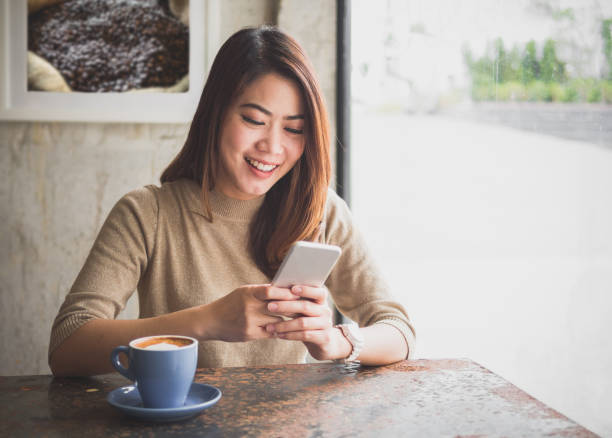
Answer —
(482, 179)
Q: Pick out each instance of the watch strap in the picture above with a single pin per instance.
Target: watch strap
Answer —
(352, 333)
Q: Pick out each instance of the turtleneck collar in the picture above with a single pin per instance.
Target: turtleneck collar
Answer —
(224, 206)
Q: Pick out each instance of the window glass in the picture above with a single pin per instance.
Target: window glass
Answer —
(481, 156)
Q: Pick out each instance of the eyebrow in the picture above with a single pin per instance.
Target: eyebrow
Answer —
(268, 112)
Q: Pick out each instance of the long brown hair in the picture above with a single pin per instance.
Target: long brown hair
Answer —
(293, 208)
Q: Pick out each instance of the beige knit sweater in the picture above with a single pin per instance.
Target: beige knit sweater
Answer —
(157, 240)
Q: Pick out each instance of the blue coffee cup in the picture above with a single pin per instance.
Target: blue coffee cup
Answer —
(161, 367)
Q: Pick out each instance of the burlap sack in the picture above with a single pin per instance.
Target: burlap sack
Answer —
(42, 76)
(180, 9)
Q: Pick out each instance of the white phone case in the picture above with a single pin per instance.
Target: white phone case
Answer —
(307, 264)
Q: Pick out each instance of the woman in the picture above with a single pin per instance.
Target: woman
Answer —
(251, 179)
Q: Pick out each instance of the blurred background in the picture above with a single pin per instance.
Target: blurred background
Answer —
(481, 160)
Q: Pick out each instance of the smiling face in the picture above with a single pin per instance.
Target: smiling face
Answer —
(262, 137)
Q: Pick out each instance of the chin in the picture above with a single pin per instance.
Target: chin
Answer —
(254, 192)
(253, 187)
(260, 192)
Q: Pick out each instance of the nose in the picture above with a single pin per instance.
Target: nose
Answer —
(271, 142)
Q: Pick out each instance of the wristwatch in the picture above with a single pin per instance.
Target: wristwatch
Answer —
(355, 337)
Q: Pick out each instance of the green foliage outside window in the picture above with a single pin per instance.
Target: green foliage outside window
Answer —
(536, 76)
(606, 36)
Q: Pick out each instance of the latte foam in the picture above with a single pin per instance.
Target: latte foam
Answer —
(162, 346)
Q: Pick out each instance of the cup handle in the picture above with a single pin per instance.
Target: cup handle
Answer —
(126, 372)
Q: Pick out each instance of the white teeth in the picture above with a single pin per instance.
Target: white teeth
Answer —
(261, 166)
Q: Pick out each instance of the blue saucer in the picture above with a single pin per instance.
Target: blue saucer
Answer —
(127, 399)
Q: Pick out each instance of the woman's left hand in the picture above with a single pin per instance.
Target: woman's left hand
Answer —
(312, 323)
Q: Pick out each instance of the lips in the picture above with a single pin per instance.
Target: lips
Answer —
(263, 167)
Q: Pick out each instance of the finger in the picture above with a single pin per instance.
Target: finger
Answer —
(312, 336)
(300, 324)
(262, 307)
(267, 320)
(286, 317)
(317, 294)
(262, 333)
(304, 307)
(267, 292)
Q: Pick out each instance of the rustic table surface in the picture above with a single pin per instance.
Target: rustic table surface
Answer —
(421, 398)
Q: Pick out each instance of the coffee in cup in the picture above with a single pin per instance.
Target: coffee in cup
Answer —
(161, 367)
(163, 343)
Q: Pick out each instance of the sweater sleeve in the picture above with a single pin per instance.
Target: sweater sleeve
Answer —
(356, 284)
(114, 266)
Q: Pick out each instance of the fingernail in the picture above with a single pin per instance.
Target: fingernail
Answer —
(270, 328)
(272, 306)
(296, 290)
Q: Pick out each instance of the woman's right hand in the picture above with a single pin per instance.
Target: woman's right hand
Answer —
(242, 315)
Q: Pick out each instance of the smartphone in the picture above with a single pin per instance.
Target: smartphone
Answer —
(307, 264)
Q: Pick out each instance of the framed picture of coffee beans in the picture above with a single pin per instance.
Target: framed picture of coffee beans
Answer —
(105, 60)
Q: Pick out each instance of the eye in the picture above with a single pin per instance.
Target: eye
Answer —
(251, 121)
(294, 131)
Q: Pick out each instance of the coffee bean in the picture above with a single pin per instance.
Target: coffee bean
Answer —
(111, 45)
